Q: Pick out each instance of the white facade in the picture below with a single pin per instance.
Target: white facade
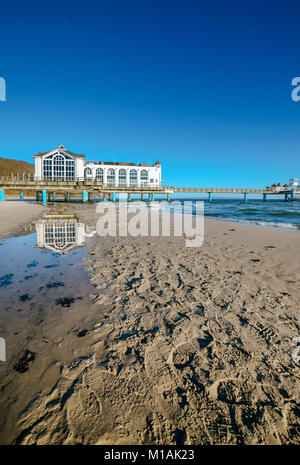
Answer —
(62, 165)
(124, 174)
(59, 165)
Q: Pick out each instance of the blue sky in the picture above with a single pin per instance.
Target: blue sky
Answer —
(205, 87)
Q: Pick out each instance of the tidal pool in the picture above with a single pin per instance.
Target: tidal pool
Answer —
(41, 273)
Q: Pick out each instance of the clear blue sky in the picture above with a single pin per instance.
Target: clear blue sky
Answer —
(205, 87)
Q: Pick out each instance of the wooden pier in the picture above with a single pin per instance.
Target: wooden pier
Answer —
(48, 190)
(288, 193)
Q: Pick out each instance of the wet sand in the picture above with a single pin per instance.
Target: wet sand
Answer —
(183, 346)
(16, 215)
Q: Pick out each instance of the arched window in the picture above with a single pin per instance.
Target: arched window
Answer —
(58, 167)
(99, 174)
(88, 172)
(110, 176)
(133, 177)
(122, 177)
(144, 177)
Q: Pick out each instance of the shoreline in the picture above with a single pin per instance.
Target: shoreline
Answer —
(33, 211)
(254, 223)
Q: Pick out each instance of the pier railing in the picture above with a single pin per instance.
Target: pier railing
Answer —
(17, 182)
(220, 190)
(29, 181)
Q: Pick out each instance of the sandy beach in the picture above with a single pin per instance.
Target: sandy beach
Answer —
(16, 216)
(183, 345)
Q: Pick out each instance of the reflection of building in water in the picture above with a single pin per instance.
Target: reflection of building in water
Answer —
(60, 232)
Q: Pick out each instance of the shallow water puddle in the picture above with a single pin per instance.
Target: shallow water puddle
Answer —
(41, 274)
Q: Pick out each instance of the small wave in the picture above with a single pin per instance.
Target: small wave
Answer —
(271, 224)
(249, 210)
(282, 213)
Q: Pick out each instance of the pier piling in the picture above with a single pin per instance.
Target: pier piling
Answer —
(2, 195)
(21, 195)
(84, 196)
(245, 197)
(209, 196)
(44, 197)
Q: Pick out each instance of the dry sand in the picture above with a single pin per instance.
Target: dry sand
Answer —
(184, 346)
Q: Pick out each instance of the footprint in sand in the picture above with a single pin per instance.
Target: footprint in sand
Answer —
(165, 360)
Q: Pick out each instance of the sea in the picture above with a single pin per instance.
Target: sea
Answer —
(275, 213)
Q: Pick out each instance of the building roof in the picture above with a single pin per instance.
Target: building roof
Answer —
(117, 163)
(61, 148)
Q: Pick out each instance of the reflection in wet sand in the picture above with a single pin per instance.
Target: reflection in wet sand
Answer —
(60, 231)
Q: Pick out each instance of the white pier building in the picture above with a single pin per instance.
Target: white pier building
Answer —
(62, 165)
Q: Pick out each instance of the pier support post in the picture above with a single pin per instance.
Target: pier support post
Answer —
(286, 197)
(168, 197)
(2, 195)
(209, 196)
(245, 197)
(152, 198)
(54, 196)
(44, 197)
(37, 196)
(113, 197)
(129, 198)
(104, 197)
(66, 197)
(292, 196)
(84, 196)
(142, 197)
(49, 196)
(21, 195)
(264, 197)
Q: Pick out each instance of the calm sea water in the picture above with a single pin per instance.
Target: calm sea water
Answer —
(273, 213)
